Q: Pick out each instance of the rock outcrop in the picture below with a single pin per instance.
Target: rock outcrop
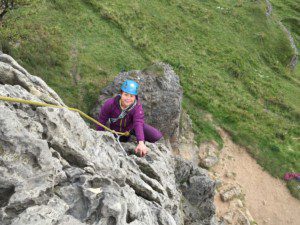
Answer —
(294, 59)
(54, 169)
(160, 93)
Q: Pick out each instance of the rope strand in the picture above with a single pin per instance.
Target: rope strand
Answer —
(9, 99)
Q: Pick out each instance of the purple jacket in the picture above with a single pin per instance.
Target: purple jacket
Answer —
(134, 120)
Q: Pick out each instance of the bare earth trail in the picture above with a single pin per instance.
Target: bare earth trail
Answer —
(266, 197)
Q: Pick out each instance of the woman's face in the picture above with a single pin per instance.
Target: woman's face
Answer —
(127, 99)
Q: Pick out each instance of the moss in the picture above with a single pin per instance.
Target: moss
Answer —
(1, 150)
(155, 69)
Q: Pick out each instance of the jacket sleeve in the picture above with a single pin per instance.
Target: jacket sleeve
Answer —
(138, 123)
(104, 114)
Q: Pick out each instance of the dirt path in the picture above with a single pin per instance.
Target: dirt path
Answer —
(267, 198)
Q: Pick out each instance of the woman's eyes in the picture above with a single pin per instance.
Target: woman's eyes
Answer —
(129, 96)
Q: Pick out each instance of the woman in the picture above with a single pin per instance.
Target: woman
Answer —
(125, 113)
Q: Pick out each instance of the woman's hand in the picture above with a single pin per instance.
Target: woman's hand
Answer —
(141, 149)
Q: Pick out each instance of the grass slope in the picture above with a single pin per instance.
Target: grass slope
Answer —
(231, 60)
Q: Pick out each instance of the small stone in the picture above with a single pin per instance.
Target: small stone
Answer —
(95, 190)
(266, 221)
(209, 161)
(231, 175)
(242, 218)
(90, 170)
(237, 203)
(208, 117)
(264, 202)
(218, 182)
(228, 217)
(74, 171)
(229, 157)
(230, 193)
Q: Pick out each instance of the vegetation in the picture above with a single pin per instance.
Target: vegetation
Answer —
(5, 5)
(231, 58)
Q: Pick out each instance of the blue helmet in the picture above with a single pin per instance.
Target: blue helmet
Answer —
(130, 87)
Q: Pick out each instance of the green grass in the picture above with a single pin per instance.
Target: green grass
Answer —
(231, 59)
(294, 187)
(288, 13)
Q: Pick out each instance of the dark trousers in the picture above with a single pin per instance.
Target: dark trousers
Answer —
(151, 134)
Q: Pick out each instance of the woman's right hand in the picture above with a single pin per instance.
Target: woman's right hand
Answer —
(141, 149)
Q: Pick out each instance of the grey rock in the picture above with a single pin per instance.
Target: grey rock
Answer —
(197, 203)
(208, 152)
(228, 217)
(12, 73)
(54, 169)
(236, 203)
(69, 220)
(230, 193)
(242, 219)
(237, 217)
(209, 161)
(218, 182)
(42, 214)
(231, 175)
(294, 59)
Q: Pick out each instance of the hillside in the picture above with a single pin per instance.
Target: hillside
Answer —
(232, 61)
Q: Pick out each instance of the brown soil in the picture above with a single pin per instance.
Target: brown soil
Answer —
(266, 197)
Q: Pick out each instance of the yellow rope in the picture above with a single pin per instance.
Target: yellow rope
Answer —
(9, 99)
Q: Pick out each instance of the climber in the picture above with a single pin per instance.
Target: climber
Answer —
(125, 113)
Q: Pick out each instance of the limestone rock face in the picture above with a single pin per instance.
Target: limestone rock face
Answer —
(197, 203)
(55, 170)
(160, 93)
(12, 73)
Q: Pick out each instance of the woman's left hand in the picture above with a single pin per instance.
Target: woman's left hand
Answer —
(141, 149)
